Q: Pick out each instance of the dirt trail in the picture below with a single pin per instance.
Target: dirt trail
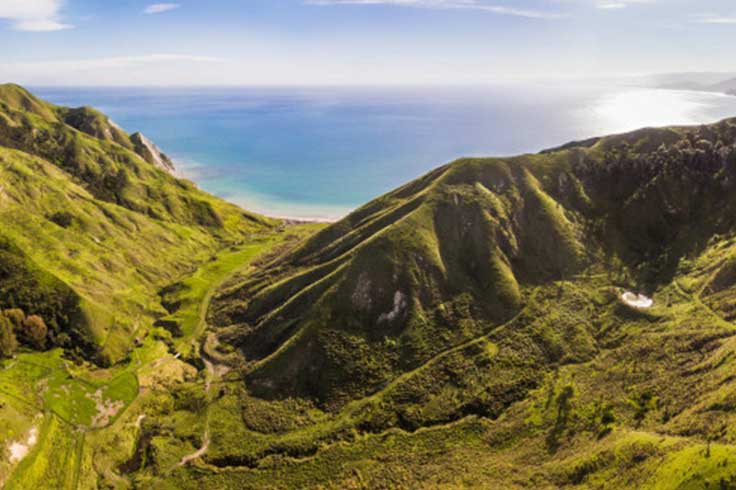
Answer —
(199, 453)
(212, 371)
(209, 376)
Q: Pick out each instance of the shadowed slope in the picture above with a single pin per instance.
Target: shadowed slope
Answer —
(446, 257)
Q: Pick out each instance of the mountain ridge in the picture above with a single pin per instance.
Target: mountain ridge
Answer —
(471, 329)
(78, 172)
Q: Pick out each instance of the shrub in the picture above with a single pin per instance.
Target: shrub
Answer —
(63, 340)
(35, 331)
(62, 218)
(8, 342)
(16, 318)
(190, 397)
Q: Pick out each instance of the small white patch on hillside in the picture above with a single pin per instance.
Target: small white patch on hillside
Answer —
(19, 450)
(637, 300)
(361, 297)
(399, 306)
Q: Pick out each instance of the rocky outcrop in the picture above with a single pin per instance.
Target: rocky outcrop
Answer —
(148, 150)
(94, 123)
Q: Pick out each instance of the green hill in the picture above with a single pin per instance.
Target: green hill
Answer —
(442, 259)
(478, 327)
(467, 329)
(82, 213)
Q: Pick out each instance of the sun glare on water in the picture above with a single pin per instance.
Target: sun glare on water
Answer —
(637, 108)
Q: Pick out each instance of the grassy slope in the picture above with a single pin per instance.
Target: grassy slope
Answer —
(514, 364)
(100, 254)
(78, 449)
(100, 157)
(445, 255)
(507, 361)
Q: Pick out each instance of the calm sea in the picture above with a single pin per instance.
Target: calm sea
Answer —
(320, 152)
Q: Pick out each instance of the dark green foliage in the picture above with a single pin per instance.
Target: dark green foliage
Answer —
(8, 343)
(189, 397)
(34, 332)
(62, 218)
(25, 287)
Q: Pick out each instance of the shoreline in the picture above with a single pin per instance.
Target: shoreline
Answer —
(298, 220)
(182, 174)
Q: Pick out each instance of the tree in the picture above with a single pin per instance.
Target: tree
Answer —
(8, 342)
(16, 318)
(35, 331)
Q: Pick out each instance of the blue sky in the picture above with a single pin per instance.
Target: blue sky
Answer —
(262, 42)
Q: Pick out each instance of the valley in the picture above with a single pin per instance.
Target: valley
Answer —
(76, 406)
(553, 320)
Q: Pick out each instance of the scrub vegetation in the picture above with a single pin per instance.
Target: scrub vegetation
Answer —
(466, 330)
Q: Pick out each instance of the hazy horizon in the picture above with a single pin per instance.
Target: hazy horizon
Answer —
(356, 42)
(258, 147)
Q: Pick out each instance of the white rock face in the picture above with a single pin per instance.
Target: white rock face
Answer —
(361, 297)
(152, 153)
(637, 300)
(399, 306)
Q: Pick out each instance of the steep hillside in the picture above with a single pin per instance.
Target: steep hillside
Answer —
(562, 320)
(443, 259)
(111, 165)
(98, 225)
(468, 331)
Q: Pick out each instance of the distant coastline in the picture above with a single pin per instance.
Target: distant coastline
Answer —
(317, 153)
(720, 83)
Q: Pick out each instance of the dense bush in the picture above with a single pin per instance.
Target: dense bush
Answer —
(15, 326)
(62, 218)
(25, 287)
(8, 342)
(34, 332)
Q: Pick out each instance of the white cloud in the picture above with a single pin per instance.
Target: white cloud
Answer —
(147, 69)
(618, 4)
(714, 19)
(120, 61)
(33, 15)
(157, 8)
(449, 5)
(611, 6)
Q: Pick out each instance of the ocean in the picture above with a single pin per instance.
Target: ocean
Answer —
(317, 153)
